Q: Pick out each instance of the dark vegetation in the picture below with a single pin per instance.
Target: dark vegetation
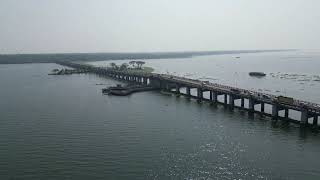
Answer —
(51, 58)
(131, 67)
(125, 66)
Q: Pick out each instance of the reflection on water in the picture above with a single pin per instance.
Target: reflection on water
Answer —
(62, 127)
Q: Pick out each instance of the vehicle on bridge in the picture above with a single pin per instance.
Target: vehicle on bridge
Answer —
(266, 96)
(235, 90)
(285, 100)
(205, 82)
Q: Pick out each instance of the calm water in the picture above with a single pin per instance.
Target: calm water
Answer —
(61, 127)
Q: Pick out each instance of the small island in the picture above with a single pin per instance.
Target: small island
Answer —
(132, 67)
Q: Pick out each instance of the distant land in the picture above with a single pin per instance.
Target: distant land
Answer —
(51, 58)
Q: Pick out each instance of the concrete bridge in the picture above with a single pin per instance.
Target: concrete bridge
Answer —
(231, 95)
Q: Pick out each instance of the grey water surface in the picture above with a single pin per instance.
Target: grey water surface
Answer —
(62, 127)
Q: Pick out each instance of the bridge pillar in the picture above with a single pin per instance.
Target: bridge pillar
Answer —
(304, 117)
(211, 95)
(168, 87)
(200, 94)
(164, 85)
(231, 100)
(161, 83)
(275, 111)
(146, 81)
(262, 106)
(225, 99)
(286, 113)
(154, 82)
(188, 91)
(177, 89)
(315, 120)
(214, 96)
(242, 102)
(251, 105)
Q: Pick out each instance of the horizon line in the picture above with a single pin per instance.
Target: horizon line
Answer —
(154, 52)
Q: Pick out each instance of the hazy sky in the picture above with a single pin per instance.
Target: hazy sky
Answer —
(52, 26)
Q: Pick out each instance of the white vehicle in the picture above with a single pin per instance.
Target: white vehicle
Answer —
(205, 82)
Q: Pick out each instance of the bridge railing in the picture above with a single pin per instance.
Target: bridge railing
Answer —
(230, 89)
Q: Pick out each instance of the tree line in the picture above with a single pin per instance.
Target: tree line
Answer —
(125, 66)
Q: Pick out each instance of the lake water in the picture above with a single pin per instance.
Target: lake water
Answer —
(62, 127)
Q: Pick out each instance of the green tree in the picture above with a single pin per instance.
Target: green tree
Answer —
(113, 65)
(132, 63)
(139, 64)
(124, 66)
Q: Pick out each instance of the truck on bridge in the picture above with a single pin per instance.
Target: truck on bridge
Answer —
(285, 100)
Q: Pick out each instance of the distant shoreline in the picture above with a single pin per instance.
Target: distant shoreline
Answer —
(87, 57)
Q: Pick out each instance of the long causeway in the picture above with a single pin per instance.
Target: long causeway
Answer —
(247, 99)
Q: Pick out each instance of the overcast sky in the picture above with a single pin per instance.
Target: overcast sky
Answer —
(58, 26)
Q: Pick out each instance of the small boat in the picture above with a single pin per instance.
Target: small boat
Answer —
(124, 91)
(257, 74)
(109, 89)
(120, 92)
(106, 90)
